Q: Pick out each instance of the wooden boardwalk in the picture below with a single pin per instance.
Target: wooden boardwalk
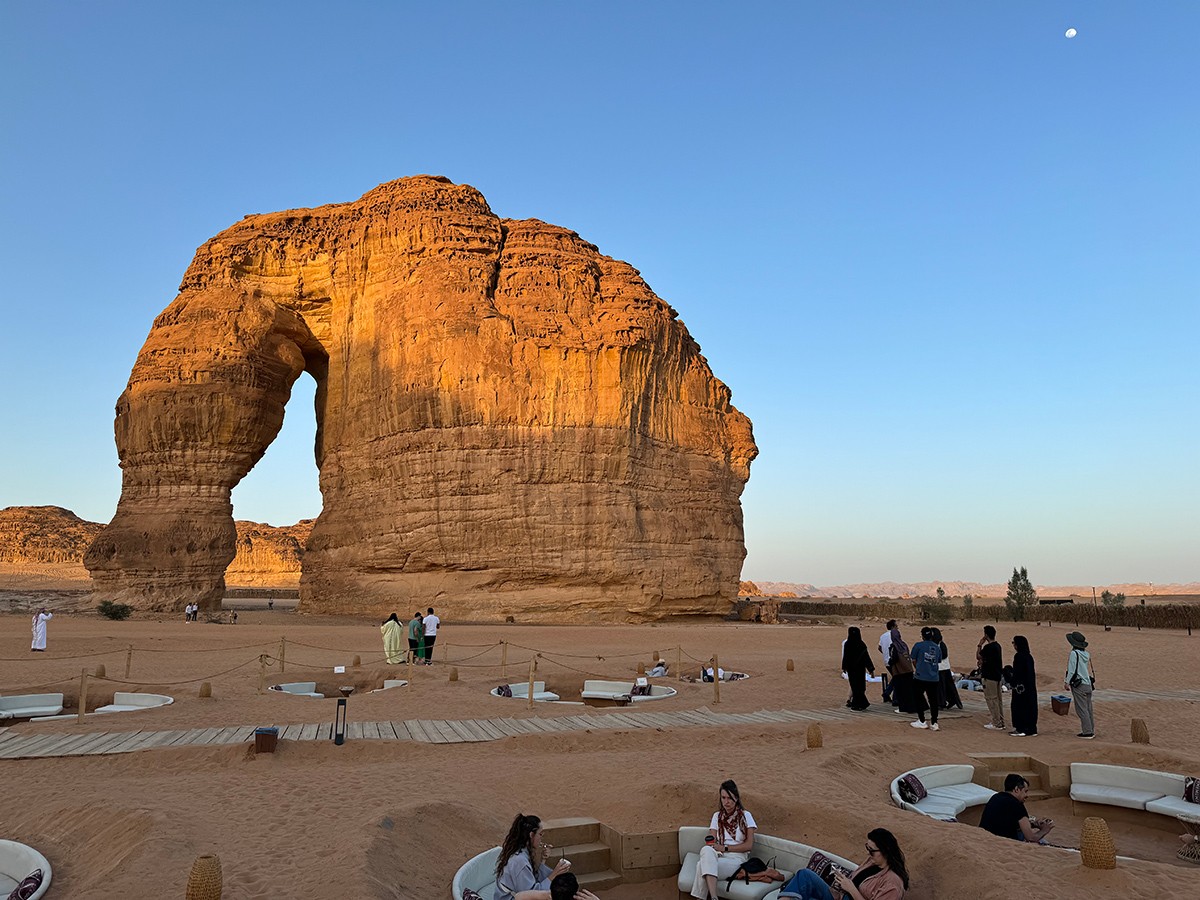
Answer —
(24, 745)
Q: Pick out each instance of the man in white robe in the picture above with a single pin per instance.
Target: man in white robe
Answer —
(39, 630)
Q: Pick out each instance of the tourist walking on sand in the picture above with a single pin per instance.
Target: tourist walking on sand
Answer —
(40, 618)
(856, 663)
(991, 670)
(393, 633)
(926, 655)
(1024, 690)
(728, 845)
(1081, 678)
(431, 623)
(885, 648)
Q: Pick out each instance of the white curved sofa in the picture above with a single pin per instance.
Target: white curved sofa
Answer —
(478, 873)
(298, 689)
(790, 857)
(1156, 792)
(127, 701)
(28, 706)
(621, 690)
(951, 790)
(520, 691)
(17, 861)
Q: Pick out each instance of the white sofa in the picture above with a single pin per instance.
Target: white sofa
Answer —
(478, 873)
(389, 683)
(950, 790)
(299, 689)
(789, 856)
(18, 861)
(520, 691)
(126, 701)
(1156, 792)
(621, 690)
(26, 706)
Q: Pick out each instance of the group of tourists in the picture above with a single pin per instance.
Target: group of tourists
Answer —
(523, 871)
(421, 632)
(919, 679)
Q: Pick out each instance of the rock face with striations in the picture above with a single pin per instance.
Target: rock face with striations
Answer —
(508, 422)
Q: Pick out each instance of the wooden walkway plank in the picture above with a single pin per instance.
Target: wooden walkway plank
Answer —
(143, 739)
(95, 739)
(418, 732)
(308, 733)
(63, 742)
(464, 733)
(18, 748)
(370, 731)
(506, 726)
(290, 732)
(448, 736)
(486, 726)
(387, 732)
(354, 731)
(109, 744)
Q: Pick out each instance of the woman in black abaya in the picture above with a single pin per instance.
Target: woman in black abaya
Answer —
(1024, 690)
(856, 663)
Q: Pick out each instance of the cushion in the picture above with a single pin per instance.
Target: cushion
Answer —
(911, 789)
(1172, 806)
(504, 690)
(823, 866)
(28, 887)
(1191, 789)
(469, 894)
(1112, 796)
(972, 794)
(640, 690)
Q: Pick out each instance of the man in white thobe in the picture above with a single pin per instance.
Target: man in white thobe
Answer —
(39, 630)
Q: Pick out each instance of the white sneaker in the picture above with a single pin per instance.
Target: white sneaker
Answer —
(933, 726)
(990, 725)
(918, 725)
(1017, 733)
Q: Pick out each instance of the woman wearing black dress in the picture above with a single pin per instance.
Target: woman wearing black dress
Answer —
(947, 692)
(856, 662)
(1024, 690)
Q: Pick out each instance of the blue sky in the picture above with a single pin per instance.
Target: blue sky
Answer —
(945, 258)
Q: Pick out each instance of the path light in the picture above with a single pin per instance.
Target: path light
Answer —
(339, 722)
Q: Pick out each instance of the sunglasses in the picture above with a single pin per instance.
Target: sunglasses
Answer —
(871, 849)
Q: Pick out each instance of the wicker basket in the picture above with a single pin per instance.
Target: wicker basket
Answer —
(204, 882)
(814, 738)
(1138, 732)
(1096, 847)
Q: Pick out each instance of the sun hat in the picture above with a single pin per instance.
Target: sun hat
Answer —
(1076, 640)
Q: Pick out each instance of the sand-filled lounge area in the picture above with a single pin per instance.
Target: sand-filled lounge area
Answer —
(396, 818)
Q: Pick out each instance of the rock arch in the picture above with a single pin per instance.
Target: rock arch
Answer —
(508, 422)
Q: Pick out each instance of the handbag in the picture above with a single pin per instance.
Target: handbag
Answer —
(754, 869)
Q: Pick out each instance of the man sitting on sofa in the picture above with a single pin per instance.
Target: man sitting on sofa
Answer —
(1005, 814)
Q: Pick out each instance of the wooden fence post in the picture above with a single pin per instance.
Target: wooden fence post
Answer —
(504, 659)
(678, 662)
(283, 654)
(716, 670)
(532, 669)
(83, 678)
(262, 672)
(128, 661)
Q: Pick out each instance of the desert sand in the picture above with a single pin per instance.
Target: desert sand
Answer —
(395, 819)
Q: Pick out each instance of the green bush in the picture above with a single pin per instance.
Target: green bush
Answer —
(116, 611)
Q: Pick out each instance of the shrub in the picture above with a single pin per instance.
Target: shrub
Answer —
(116, 611)
(1020, 594)
(935, 610)
(1108, 598)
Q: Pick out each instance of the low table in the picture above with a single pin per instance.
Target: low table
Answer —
(1190, 851)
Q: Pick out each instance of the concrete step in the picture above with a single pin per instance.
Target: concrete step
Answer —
(593, 856)
(1008, 762)
(996, 779)
(570, 830)
(598, 881)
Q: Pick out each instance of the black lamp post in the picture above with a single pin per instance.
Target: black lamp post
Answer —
(339, 722)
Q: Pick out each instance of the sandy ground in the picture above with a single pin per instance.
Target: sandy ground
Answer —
(377, 819)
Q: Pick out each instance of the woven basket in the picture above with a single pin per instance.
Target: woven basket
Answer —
(204, 882)
(1138, 732)
(813, 738)
(1096, 847)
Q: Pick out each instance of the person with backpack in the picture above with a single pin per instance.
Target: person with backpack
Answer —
(1081, 679)
(926, 655)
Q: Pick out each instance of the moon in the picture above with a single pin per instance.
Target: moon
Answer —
(1071, 32)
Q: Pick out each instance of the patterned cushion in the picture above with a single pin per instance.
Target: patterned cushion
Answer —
(640, 690)
(911, 789)
(1191, 789)
(28, 887)
(504, 690)
(825, 868)
(469, 894)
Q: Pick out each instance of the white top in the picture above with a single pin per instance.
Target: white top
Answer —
(885, 645)
(431, 624)
(735, 838)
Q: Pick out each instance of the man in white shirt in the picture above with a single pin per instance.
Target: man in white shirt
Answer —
(431, 626)
(885, 647)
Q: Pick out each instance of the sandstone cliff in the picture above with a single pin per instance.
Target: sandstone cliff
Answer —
(508, 422)
(268, 556)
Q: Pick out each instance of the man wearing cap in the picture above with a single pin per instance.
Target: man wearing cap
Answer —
(1079, 678)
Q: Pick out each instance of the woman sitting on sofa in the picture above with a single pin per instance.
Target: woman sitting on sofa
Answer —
(728, 845)
(883, 876)
(520, 865)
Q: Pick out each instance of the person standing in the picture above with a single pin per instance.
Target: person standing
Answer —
(40, 618)
(947, 693)
(415, 637)
(856, 663)
(431, 623)
(902, 675)
(991, 670)
(926, 655)
(392, 631)
(1081, 678)
(885, 647)
(1024, 691)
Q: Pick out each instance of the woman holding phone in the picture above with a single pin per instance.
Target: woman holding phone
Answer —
(520, 866)
(884, 875)
(728, 845)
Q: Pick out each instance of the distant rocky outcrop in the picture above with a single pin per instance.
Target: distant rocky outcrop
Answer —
(509, 423)
(908, 590)
(268, 556)
(748, 589)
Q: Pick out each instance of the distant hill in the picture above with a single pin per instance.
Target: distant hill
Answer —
(902, 590)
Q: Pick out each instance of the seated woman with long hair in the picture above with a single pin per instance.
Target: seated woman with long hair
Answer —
(520, 866)
(884, 875)
(730, 840)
